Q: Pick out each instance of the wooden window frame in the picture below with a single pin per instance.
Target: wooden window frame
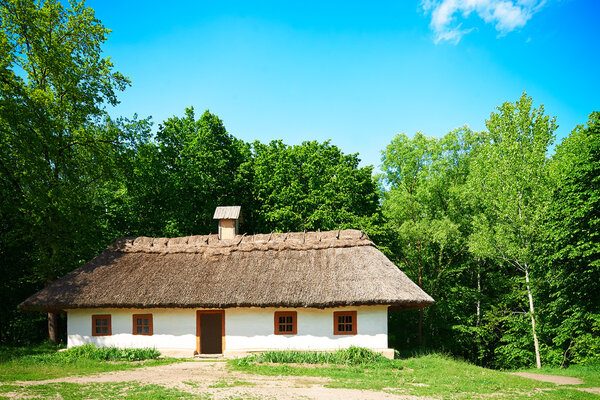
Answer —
(109, 325)
(337, 314)
(150, 324)
(292, 314)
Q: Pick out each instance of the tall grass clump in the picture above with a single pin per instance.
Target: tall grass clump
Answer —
(357, 356)
(91, 352)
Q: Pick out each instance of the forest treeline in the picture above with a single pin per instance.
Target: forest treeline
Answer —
(500, 227)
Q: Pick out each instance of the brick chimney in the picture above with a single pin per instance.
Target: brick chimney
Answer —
(228, 221)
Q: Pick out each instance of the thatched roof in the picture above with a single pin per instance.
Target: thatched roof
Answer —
(312, 269)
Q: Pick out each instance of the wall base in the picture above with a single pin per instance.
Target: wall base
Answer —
(189, 353)
(387, 353)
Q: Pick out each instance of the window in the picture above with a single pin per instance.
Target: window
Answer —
(286, 323)
(142, 324)
(101, 325)
(344, 323)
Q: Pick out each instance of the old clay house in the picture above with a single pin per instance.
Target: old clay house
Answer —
(232, 294)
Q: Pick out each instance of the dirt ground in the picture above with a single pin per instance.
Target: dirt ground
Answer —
(198, 377)
(559, 380)
(212, 377)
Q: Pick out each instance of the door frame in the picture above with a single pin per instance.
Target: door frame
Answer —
(199, 333)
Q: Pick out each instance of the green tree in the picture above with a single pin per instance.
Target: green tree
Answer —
(572, 246)
(175, 181)
(509, 179)
(311, 186)
(425, 205)
(54, 85)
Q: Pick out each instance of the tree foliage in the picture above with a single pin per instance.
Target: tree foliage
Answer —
(530, 225)
(177, 179)
(509, 178)
(310, 186)
(572, 247)
(426, 208)
(54, 85)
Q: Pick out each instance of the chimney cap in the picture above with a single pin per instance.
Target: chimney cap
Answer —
(227, 212)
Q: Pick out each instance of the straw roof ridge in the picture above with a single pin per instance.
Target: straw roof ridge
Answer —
(212, 245)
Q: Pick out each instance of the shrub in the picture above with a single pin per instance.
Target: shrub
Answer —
(350, 356)
(91, 352)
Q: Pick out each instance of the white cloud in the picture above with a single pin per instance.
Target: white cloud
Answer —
(506, 15)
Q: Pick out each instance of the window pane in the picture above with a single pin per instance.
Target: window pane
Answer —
(138, 329)
(341, 327)
(282, 320)
(146, 321)
(104, 322)
(97, 322)
(146, 329)
(138, 321)
(281, 328)
(348, 319)
(340, 319)
(288, 320)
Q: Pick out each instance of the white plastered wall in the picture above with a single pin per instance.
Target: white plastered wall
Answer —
(246, 329)
(252, 329)
(173, 328)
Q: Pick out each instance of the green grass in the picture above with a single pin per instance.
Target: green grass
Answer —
(223, 383)
(45, 362)
(350, 356)
(72, 391)
(434, 375)
(91, 352)
(426, 375)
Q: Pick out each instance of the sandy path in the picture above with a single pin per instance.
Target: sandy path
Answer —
(559, 380)
(198, 377)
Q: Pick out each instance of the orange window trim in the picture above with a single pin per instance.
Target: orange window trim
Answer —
(337, 314)
(292, 314)
(108, 324)
(150, 324)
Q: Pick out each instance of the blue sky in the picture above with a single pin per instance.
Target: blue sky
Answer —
(354, 73)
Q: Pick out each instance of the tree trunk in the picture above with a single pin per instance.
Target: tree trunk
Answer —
(420, 328)
(538, 361)
(53, 327)
(478, 298)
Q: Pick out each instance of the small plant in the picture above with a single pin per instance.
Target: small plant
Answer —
(91, 352)
(350, 356)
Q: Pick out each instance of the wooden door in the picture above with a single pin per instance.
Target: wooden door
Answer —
(210, 332)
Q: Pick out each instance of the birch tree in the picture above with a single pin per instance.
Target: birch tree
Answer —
(509, 180)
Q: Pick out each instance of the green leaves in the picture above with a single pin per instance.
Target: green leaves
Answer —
(571, 250)
(56, 152)
(509, 177)
(529, 223)
(54, 85)
(310, 186)
(194, 165)
(177, 180)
